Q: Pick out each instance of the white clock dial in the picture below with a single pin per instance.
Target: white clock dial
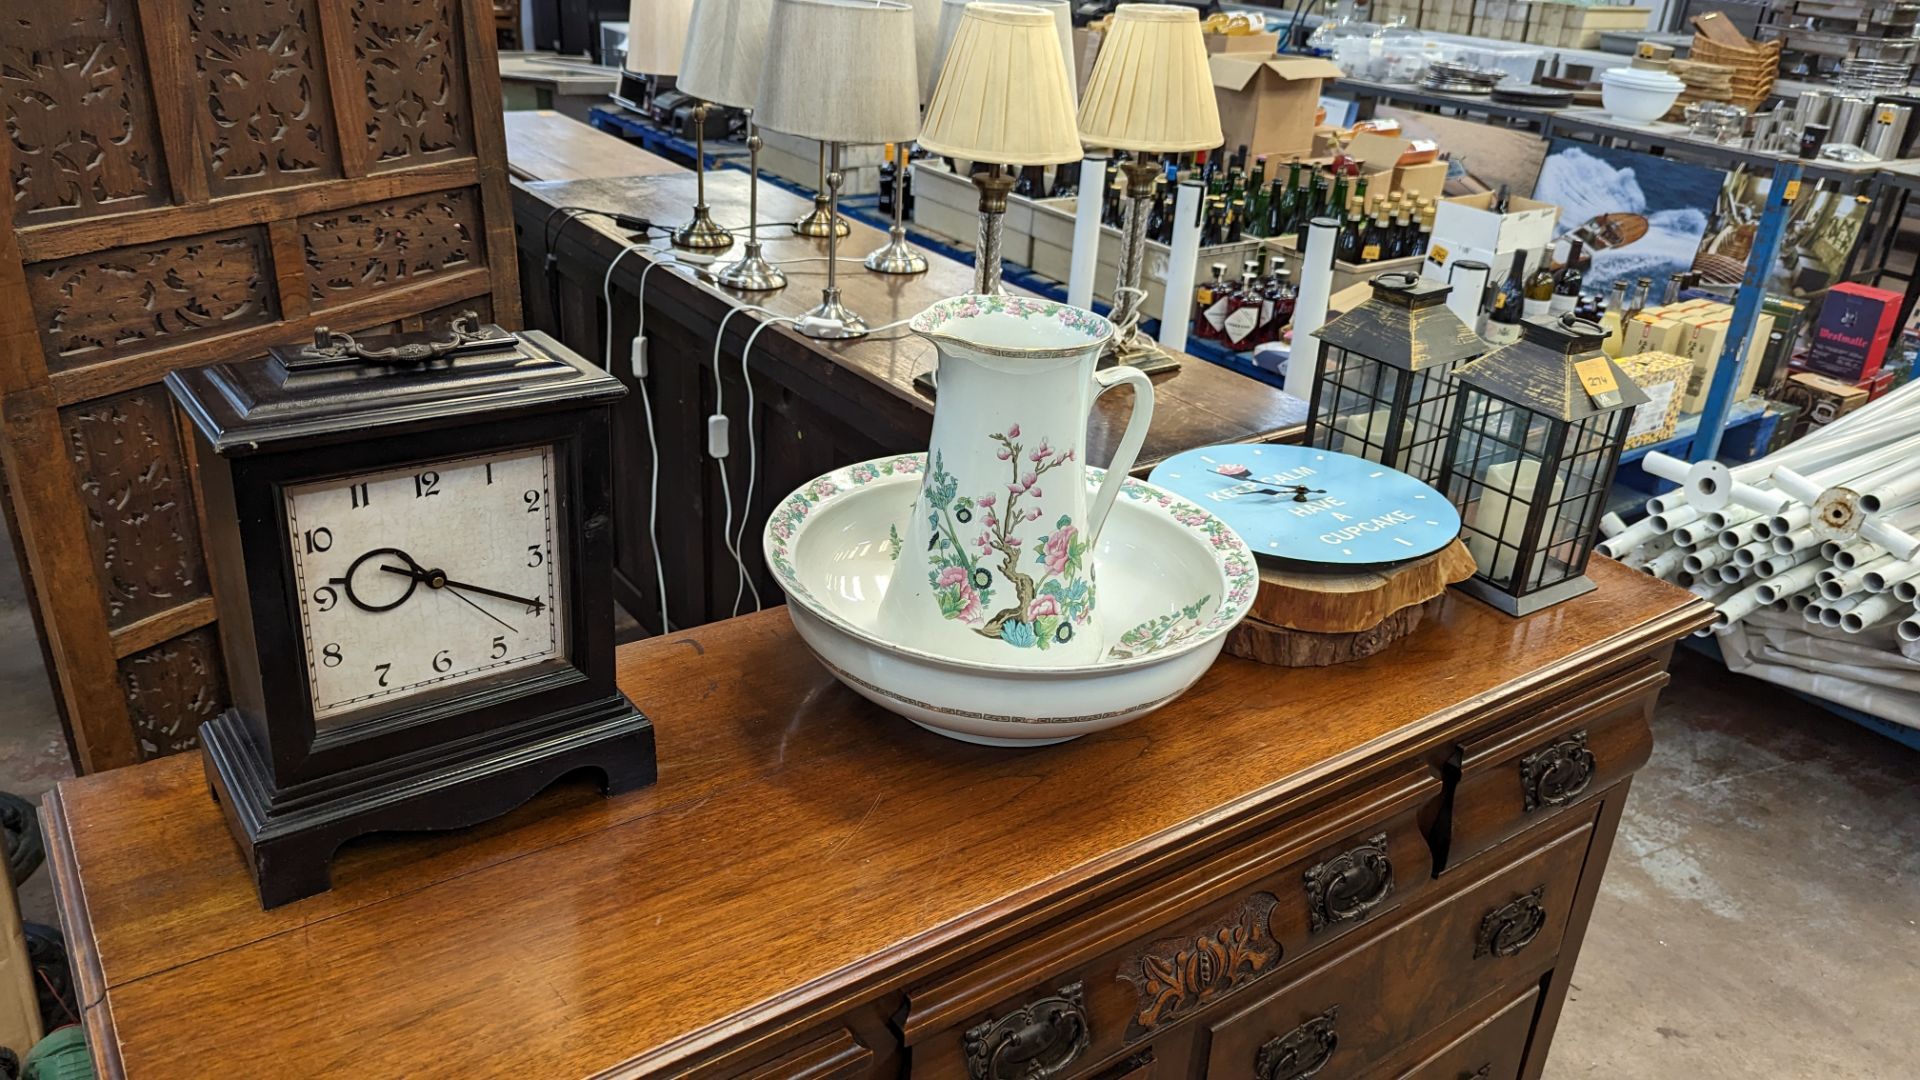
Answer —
(417, 579)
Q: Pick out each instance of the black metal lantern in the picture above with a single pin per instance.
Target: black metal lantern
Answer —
(1529, 459)
(1384, 388)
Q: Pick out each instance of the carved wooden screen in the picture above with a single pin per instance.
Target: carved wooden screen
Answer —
(192, 181)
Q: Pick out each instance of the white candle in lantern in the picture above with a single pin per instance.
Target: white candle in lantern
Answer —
(1504, 515)
(1359, 429)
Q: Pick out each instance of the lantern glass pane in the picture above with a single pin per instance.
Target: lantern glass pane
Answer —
(1357, 408)
(1502, 452)
(1429, 408)
(1586, 469)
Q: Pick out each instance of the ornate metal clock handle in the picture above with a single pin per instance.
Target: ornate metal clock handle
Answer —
(1036, 1042)
(335, 348)
(1299, 1053)
(1512, 926)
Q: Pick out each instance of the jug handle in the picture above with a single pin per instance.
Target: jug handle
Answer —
(1130, 441)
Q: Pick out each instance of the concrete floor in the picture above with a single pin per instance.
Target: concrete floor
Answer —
(1757, 919)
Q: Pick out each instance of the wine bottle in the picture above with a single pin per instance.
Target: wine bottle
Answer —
(1373, 247)
(1286, 204)
(1032, 183)
(1509, 300)
(1243, 310)
(1066, 181)
(1566, 284)
(1423, 238)
(1203, 299)
(1258, 198)
(1236, 220)
(1157, 217)
(1673, 288)
(1613, 320)
(1539, 288)
(1346, 245)
(888, 172)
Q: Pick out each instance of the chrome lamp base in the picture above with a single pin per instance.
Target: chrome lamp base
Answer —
(751, 272)
(830, 308)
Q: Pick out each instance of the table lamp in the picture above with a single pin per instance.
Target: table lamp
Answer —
(1150, 92)
(840, 71)
(726, 48)
(656, 31)
(1002, 99)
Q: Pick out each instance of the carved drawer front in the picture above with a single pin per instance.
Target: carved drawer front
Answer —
(1348, 1015)
(1486, 1046)
(1071, 1001)
(1513, 778)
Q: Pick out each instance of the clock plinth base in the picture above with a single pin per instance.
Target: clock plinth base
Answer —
(288, 837)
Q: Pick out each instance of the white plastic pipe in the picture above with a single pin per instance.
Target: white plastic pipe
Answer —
(1310, 308)
(1612, 525)
(1736, 607)
(1701, 560)
(1733, 574)
(1793, 517)
(1669, 520)
(1836, 588)
(1796, 486)
(1696, 534)
(1908, 591)
(1712, 486)
(1667, 563)
(1855, 580)
(1883, 577)
(1799, 601)
(1749, 554)
(1909, 629)
(1085, 266)
(1777, 563)
(1672, 500)
(1183, 260)
(1738, 536)
(1640, 532)
(1869, 611)
(1801, 539)
(1798, 579)
(1854, 555)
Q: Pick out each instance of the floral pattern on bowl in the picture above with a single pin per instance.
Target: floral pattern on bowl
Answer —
(1187, 627)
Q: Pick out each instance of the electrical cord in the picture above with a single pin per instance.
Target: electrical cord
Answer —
(719, 444)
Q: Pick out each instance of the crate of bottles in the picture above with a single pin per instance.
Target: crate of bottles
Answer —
(1053, 255)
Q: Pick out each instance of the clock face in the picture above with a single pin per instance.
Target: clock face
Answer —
(418, 579)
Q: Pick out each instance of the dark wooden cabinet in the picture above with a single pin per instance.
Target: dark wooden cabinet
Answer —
(1327, 872)
(190, 181)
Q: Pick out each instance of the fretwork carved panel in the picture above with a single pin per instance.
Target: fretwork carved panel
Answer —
(172, 689)
(263, 88)
(138, 501)
(97, 307)
(354, 253)
(415, 79)
(75, 93)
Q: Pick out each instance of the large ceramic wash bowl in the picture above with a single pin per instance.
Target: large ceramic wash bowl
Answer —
(1175, 577)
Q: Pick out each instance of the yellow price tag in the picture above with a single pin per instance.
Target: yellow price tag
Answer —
(1370, 253)
(1596, 377)
(1438, 254)
(1793, 190)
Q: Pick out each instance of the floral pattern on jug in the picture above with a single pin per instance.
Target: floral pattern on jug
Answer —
(968, 532)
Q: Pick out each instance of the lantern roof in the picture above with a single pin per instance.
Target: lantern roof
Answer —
(1405, 324)
(1537, 372)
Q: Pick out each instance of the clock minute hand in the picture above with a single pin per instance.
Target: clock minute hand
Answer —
(531, 604)
(438, 579)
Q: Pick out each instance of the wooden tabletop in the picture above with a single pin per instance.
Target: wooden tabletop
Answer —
(545, 145)
(1199, 405)
(801, 846)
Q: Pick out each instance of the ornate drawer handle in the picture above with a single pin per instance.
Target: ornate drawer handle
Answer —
(1556, 773)
(1512, 926)
(1035, 1042)
(1349, 885)
(1299, 1053)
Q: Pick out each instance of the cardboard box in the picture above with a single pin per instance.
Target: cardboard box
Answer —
(1268, 104)
(1823, 399)
(1467, 228)
(1428, 180)
(1706, 343)
(1856, 326)
(1664, 377)
(1265, 44)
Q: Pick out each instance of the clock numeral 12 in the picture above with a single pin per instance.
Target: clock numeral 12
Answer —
(425, 483)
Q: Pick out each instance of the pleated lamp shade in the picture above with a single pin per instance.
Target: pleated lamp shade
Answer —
(1002, 97)
(926, 33)
(726, 48)
(1062, 13)
(840, 71)
(1150, 89)
(656, 35)
(949, 24)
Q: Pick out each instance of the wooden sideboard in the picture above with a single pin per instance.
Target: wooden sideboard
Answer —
(815, 405)
(1379, 869)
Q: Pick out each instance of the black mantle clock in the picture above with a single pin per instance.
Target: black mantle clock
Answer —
(411, 542)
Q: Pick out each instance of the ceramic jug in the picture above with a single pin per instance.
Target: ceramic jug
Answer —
(995, 562)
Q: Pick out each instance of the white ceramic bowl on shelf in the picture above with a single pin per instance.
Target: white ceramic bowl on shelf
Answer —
(1638, 97)
(1174, 575)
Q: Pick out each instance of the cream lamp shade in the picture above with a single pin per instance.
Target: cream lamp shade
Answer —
(1003, 95)
(656, 34)
(1062, 13)
(1150, 89)
(726, 47)
(840, 71)
(926, 32)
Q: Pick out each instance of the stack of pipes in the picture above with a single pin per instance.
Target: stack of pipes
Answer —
(1827, 528)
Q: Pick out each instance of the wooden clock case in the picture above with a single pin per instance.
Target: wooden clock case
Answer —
(292, 793)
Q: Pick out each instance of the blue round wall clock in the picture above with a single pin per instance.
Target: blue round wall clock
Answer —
(1316, 507)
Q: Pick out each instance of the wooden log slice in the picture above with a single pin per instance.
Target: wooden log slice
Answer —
(1348, 603)
(1281, 647)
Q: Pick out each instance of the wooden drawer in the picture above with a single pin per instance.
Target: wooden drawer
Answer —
(1353, 1012)
(1111, 982)
(835, 1055)
(1486, 1047)
(1513, 778)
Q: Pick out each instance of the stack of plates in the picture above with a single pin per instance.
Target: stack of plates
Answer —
(1860, 75)
(1461, 78)
(1538, 97)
